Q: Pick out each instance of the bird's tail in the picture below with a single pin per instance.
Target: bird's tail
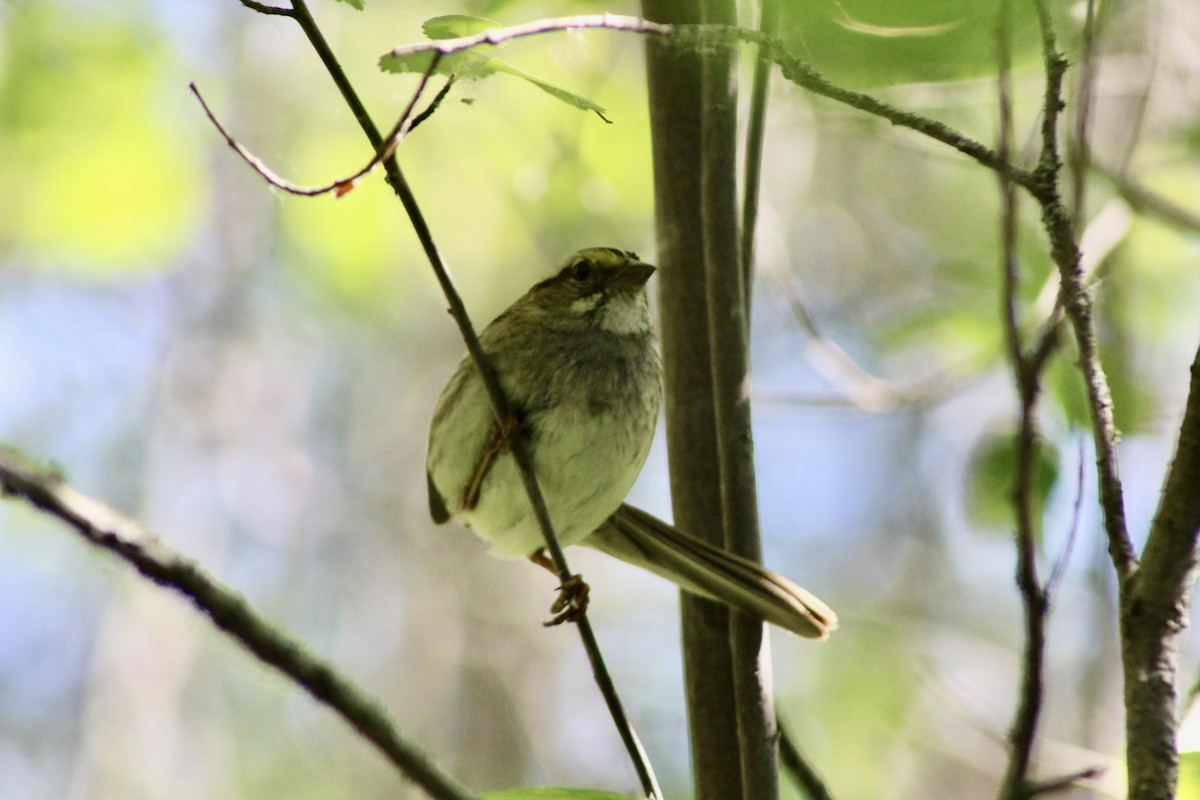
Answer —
(638, 538)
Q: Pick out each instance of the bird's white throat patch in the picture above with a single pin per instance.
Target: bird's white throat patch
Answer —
(584, 305)
(622, 313)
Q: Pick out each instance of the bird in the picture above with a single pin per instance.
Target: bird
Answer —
(576, 358)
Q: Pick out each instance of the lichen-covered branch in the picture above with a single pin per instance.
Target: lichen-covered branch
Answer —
(1154, 611)
(103, 527)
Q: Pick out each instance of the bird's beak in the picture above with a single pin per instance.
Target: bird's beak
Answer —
(633, 277)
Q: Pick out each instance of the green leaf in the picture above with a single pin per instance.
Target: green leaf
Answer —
(467, 64)
(994, 474)
(357, 5)
(554, 793)
(553, 89)
(126, 196)
(452, 26)
(883, 42)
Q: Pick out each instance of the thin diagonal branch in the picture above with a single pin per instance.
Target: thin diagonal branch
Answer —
(804, 75)
(1060, 566)
(341, 185)
(1008, 196)
(500, 404)
(857, 387)
(728, 332)
(1146, 202)
(1022, 734)
(752, 160)
(1064, 782)
(770, 47)
(263, 8)
(1077, 303)
(797, 766)
(103, 527)
(1080, 150)
(495, 36)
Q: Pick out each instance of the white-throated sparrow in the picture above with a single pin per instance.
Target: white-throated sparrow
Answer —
(575, 357)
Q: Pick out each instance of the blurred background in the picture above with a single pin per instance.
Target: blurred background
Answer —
(251, 375)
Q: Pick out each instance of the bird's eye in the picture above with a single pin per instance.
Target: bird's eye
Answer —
(581, 270)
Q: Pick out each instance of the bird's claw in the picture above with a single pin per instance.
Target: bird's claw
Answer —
(571, 603)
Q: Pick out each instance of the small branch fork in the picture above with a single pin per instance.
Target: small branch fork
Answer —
(45, 489)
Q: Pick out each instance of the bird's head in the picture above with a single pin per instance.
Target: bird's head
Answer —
(599, 286)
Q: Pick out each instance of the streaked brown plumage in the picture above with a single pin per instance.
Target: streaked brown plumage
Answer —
(576, 359)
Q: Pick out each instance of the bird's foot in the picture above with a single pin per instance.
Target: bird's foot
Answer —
(572, 601)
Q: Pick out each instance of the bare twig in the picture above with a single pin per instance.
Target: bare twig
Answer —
(1063, 782)
(771, 47)
(103, 527)
(433, 106)
(500, 405)
(752, 167)
(1146, 202)
(342, 185)
(1008, 196)
(1077, 303)
(729, 371)
(860, 387)
(495, 36)
(1133, 121)
(797, 766)
(931, 393)
(802, 74)
(1060, 566)
(1080, 151)
(263, 8)
(856, 387)
(1027, 376)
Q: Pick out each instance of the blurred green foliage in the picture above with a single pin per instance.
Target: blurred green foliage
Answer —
(99, 177)
(254, 375)
(885, 42)
(1189, 776)
(993, 480)
(470, 65)
(552, 793)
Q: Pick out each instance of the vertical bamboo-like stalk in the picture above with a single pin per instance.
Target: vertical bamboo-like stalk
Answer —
(674, 82)
(693, 116)
(730, 368)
